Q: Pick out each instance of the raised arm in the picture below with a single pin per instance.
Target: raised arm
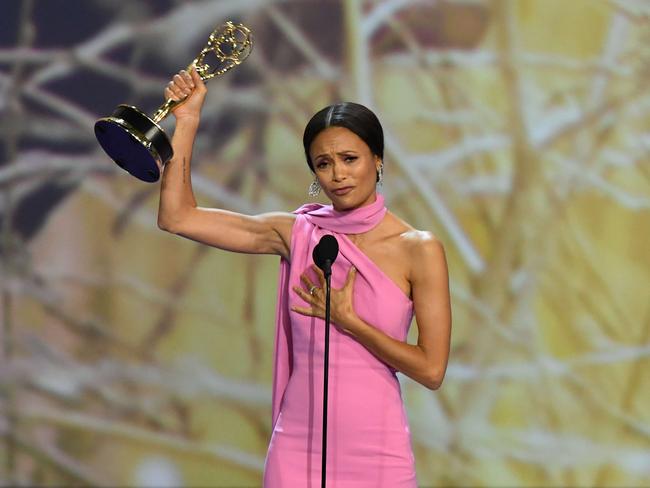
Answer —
(178, 213)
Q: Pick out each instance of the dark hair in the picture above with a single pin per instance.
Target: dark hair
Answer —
(353, 116)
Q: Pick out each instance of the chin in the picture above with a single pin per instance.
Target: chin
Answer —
(345, 205)
(346, 201)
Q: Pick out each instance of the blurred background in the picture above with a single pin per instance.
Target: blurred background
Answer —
(518, 132)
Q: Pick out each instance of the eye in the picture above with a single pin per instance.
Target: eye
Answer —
(349, 159)
(322, 164)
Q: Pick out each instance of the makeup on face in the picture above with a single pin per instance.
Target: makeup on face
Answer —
(345, 166)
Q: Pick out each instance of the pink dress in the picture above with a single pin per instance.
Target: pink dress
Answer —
(368, 437)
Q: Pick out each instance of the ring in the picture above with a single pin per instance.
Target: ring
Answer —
(312, 289)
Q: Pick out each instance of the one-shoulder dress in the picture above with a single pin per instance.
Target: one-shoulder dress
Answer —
(368, 436)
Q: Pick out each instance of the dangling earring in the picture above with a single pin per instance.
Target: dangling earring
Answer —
(314, 188)
(380, 174)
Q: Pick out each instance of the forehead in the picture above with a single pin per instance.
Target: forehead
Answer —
(336, 139)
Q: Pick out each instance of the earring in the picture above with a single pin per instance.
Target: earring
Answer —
(314, 188)
(380, 174)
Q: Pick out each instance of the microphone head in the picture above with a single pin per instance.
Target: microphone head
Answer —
(326, 249)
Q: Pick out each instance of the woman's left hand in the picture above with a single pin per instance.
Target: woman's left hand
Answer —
(341, 310)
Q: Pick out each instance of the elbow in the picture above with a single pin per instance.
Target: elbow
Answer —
(171, 221)
(434, 380)
(166, 226)
(163, 226)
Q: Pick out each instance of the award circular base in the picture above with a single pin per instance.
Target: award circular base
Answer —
(135, 142)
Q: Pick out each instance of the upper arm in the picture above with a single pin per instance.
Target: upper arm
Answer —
(266, 233)
(430, 289)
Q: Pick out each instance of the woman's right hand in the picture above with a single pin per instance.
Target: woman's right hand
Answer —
(188, 86)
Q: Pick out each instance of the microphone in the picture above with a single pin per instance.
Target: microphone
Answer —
(325, 253)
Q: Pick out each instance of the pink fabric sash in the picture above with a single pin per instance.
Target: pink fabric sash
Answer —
(354, 221)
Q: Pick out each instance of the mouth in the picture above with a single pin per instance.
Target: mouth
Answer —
(342, 191)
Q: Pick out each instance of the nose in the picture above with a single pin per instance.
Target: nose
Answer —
(338, 171)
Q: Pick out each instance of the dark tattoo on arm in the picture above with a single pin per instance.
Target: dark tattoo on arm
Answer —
(183, 170)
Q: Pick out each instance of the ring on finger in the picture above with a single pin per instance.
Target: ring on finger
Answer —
(313, 289)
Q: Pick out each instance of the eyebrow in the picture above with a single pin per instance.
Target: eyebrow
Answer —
(340, 153)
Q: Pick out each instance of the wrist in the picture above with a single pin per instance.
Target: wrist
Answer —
(188, 120)
(352, 324)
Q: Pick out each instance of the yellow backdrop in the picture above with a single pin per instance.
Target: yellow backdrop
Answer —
(518, 132)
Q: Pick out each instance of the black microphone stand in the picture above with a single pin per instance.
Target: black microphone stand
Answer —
(328, 275)
(324, 255)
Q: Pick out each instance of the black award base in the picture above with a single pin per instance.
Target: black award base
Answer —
(135, 142)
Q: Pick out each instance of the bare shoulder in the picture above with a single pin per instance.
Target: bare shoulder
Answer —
(411, 238)
(427, 257)
(422, 242)
(422, 247)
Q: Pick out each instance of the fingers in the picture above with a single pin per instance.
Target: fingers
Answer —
(306, 281)
(169, 93)
(303, 294)
(183, 83)
(321, 275)
(196, 77)
(175, 92)
(306, 311)
(351, 275)
(187, 77)
(181, 86)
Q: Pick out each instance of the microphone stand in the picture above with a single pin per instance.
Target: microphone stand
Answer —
(324, 255)
(328, 275)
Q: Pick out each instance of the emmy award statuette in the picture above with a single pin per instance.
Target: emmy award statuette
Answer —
(135, 141)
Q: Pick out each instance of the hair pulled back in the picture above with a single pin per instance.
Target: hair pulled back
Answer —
(353, 116)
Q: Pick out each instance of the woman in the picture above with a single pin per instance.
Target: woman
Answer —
(385, 272)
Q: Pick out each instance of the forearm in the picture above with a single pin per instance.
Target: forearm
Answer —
(176, 194)
(406, 358)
